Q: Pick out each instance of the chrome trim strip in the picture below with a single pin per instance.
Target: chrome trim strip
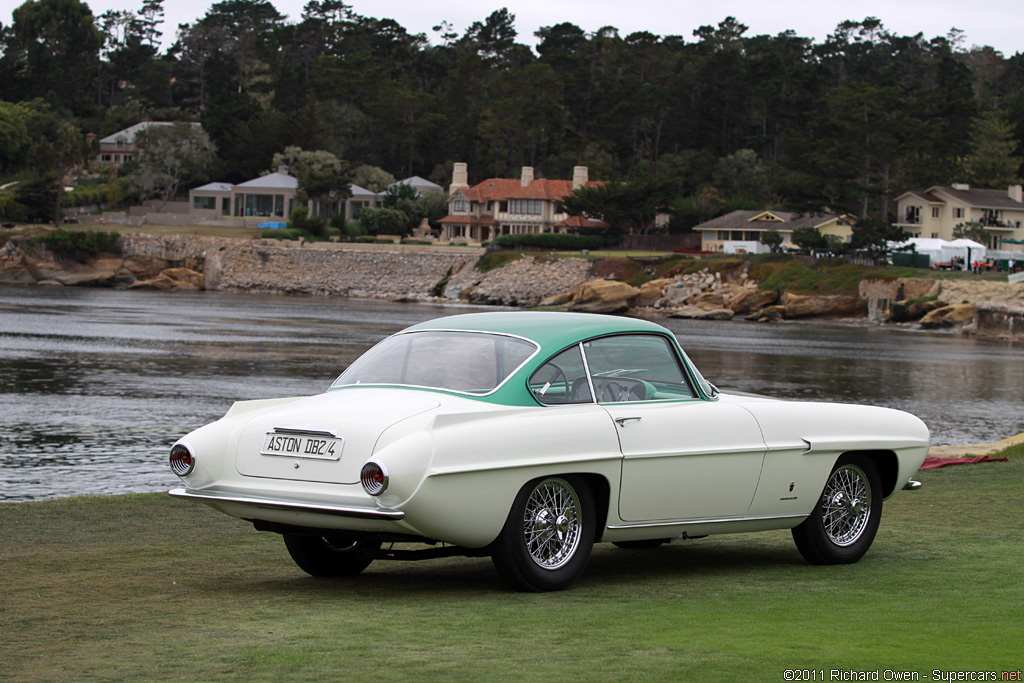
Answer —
(586, 371)
(291, 505)
(306, 430)
(754, 448)
(912, 485)
(691, 522)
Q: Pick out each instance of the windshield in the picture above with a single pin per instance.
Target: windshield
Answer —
(467, 362)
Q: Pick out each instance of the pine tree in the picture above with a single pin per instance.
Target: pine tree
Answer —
(993, 161)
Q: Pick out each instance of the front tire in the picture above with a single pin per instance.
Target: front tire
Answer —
(844, 522)
(322, 556)
(548, 536)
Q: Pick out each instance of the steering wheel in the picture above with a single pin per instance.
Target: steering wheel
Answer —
(559, 372)
(612, 392)
(623, 390)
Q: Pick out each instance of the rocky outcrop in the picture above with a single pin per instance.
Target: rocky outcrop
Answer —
(750, 300)
(26, 262)
(912, 310)
(699, 313)
(800, 306)
(173, 279)
(651, 292)
(526, 281)
(603, 296)
(956, 315)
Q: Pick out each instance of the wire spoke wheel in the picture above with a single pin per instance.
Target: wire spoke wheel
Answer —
(846, 505)
(844, 522)
(548, 534)
(551, 524)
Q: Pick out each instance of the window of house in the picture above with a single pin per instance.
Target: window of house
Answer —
(259, 205)
(723, 235)
(459, 206)
(935, 235)
(958, 212)
(105, 157)
(531, 207)
(205, 203)
(935, 212)
(913, 214)
(225, 206)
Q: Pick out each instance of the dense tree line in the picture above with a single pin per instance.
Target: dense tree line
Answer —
(722, 116)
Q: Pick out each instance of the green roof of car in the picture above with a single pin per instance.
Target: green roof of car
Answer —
(551, 330)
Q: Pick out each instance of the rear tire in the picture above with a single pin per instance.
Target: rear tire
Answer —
(334, 556)
(548, 535)
(843, 524)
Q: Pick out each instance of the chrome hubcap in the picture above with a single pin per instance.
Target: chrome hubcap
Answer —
(551, 524)
(846, 505)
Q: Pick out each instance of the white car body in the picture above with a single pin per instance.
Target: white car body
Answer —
(454, 464)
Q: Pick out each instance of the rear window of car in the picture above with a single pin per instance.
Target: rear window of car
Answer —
(466, 362)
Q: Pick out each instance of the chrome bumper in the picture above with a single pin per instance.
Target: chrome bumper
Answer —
(215, 497)
(912, 485)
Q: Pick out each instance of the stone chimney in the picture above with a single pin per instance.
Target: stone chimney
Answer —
(1016, 193)
(460, 178)
(580, 177)
(527, 176)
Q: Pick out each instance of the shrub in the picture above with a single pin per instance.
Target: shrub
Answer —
(80, 246)
(11, 209)
(281, 234)
(300, 220)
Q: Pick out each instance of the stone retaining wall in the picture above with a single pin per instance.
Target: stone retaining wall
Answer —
(322, 268)
(999, 320)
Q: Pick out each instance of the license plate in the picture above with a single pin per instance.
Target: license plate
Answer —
(295, 444)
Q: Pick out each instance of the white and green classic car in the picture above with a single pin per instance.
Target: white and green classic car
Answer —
(530, 436)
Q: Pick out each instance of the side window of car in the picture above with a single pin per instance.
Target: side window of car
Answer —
(563, 379)
(636, 367)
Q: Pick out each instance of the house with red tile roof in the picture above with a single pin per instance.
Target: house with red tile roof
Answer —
(510, 206)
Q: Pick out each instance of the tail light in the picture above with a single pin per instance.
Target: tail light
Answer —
(374, 477)
(182, 460)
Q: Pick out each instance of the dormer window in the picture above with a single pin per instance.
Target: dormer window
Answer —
(459, 206)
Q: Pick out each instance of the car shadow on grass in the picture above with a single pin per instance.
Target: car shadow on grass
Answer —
(609, 567)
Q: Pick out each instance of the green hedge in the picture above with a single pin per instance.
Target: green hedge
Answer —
(79, 246)
(552, 240)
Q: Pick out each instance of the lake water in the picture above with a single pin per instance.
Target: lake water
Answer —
(96, 384)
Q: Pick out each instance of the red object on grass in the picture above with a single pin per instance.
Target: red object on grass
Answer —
(931, 463)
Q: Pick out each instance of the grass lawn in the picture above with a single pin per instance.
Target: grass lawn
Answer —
(144, 587)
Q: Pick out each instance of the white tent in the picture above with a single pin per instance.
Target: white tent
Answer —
(968, 250)
(931, 246)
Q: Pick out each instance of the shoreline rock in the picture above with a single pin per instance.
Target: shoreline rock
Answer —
(405, 273)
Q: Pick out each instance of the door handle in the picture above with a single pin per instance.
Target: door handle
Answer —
(623, 420)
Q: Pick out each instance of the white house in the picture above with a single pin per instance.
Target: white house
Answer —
(935, 212)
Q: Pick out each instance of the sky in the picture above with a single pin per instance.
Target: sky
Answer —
(996, 23)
